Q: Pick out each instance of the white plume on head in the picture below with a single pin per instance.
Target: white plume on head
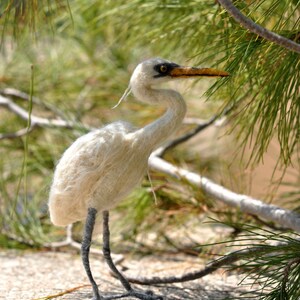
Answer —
(124, 96)
(102, 167)
(142, 75)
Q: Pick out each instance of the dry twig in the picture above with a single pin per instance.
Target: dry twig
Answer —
(283, 217)
(11, 92)
(199, 128)
(35, 120)
(210, 268)
(257, 29)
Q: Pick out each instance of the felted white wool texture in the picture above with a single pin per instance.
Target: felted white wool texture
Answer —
(89, 175)
(102, 167)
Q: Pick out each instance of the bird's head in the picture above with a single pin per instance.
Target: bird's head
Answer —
(156, 70)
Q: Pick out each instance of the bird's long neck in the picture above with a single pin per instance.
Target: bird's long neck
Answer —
(155, 133)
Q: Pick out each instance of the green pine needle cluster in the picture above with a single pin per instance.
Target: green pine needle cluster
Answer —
(83, 52)
(272, 265)
(264, 82)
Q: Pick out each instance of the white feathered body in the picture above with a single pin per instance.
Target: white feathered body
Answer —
(89, 175)
(102, 167)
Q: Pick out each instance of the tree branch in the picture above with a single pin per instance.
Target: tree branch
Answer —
(257, 29)
(283, 217)
(199, 128)
(287, 271)
(35, 120)
(17, 134)
(210, 268)
(11, 92)
(69, 241)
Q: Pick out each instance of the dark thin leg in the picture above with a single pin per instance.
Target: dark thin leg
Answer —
(85, 249)
(106, 252)
(148, 295)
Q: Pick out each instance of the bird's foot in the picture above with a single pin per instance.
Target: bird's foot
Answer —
(147, 295)
(98, 297)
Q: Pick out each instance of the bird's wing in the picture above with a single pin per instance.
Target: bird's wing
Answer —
(80, 167)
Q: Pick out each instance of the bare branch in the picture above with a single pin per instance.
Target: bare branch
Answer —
(69, 241)
(11, 92)
(257, 29)
(210, 268)
(199, 128)
(185, 137)
(283, 217)
(16, 134)
(35, 120)
(287, 270)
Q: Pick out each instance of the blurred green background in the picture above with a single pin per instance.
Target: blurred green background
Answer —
(82, 57)
(76, 57)
(73, 59)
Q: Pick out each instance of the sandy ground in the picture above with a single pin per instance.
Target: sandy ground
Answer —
(27, 275)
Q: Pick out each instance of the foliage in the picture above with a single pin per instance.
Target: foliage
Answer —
(273, 265)
(264, 77)
(82, 53)
(23, 16)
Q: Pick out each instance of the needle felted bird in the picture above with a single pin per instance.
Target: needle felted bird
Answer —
(102, 167)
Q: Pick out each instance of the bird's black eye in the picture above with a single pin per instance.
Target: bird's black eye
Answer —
(163, 68)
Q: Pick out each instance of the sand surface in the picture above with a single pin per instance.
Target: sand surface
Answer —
(27, 275)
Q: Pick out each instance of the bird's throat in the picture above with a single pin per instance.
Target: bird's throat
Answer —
(160, 130)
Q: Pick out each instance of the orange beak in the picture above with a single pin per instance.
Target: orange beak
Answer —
(184, 72)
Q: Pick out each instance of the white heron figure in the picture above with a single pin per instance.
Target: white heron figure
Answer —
(100, 168)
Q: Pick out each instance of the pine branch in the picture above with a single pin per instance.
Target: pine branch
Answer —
(11, 92)
(17, 134)
(69, 241)
(210, 268)
(35, 120)
(287, 271)
(283, 217)
(257, 29)
(199, 128)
